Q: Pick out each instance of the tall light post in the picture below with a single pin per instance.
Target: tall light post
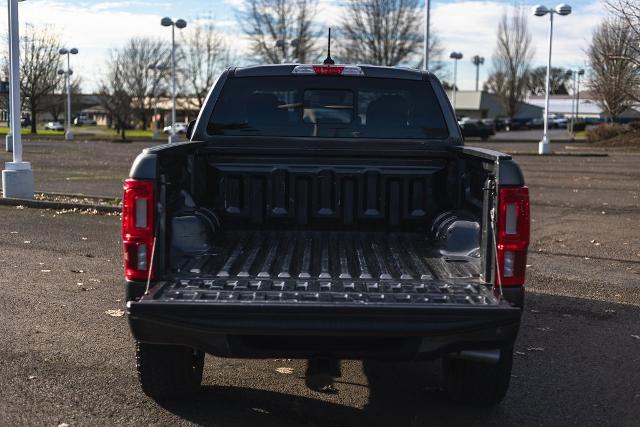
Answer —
(67, 74)
(570, 74)
(180, 24)
(456, 56)
(575, 98)
(580, 73)
(477, 61)
(562, 10)
(17, 176)
(155, 68)
(9, 137)
(427, 22)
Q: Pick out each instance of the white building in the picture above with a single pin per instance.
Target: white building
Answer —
(482, 105)
(588, 108)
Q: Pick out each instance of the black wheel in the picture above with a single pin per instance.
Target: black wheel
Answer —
(168, 371)
(477, 382)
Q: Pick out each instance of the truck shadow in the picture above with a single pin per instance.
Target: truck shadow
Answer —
(575, 363)
(396, 398)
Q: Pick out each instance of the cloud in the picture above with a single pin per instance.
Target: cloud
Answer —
(471, 26)
(462, 25)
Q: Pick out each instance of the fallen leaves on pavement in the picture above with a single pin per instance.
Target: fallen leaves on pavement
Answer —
(115, 313)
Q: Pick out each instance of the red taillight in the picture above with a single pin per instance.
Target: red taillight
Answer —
(328, 70)
(513, 235)
(138, 220)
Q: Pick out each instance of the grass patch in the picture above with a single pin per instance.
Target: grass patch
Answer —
(27, 131)
(85, 132)
(581, 134)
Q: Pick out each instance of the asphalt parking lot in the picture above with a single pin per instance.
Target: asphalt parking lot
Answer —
(63, 359)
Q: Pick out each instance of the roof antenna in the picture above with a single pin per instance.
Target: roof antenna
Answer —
(328, 60)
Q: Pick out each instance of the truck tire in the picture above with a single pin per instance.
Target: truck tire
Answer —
(168, 371)
(477, 382)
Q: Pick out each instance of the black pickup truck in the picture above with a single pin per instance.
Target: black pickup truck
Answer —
(325, 212)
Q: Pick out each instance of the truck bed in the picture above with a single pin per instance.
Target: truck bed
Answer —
(327, 266)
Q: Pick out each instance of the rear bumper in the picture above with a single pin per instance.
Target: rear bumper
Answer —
(305, 330)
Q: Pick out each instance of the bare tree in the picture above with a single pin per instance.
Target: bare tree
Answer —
(612, 73)
(558, 83)
(114, 92)
(511, 61)
(204, 54)
(628, 12)
(39, 63)
(381, 32)
(56, 102)
(436, 54)
(139, 80)
(272, 26)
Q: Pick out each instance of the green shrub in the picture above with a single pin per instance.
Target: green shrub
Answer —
(605, 131)
(634, 126)
(579, 126)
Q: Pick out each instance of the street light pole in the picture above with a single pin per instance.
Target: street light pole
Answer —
(9, 137)
(180, 23)
(155, 68)
(580, 73)
(64, 51)
(477, 61)
(562, 10)
(455, 56)
(570, 74)
(17, 177)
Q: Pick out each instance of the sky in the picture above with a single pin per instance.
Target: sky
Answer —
(94, 27)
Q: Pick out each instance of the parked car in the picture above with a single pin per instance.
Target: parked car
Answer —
(557, 121)
(54, 126)
(475, 129)
(180, 128)
(520, 123)
(502, 123)
(490, 123)
(276, 234)
(84, 120)
(25, 122)
(537, 123)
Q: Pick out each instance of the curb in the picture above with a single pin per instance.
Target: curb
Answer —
(43, 204)
(76, 196)
(531, 153)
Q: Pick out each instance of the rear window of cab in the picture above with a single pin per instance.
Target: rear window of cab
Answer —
(328, 107)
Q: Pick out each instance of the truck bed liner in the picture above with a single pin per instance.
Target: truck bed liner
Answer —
(326, 255)
(330, 267)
